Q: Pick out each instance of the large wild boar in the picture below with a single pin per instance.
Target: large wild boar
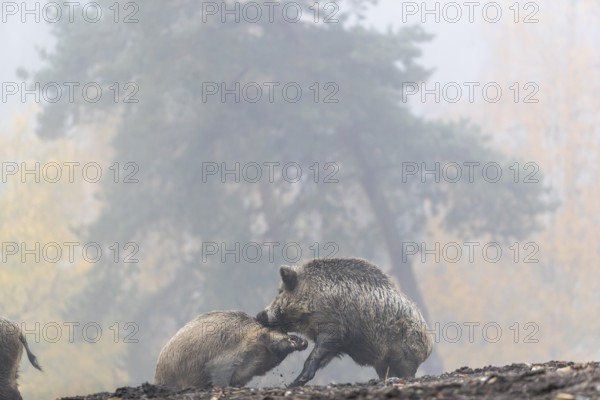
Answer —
(12, 342)
(222, 348)
(349, 306)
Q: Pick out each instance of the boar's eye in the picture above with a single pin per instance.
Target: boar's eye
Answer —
(280, 291)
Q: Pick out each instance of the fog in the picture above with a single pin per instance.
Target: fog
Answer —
(159, 163)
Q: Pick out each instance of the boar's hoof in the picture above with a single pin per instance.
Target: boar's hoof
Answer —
(297, 342)
(297, 383)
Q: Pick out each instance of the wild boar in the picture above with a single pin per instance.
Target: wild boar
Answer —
(222, 348)
(12, 342)
(349, 306)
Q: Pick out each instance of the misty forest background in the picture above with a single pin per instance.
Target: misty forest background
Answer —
(368, 213)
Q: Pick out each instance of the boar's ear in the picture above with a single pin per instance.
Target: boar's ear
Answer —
(289, 277)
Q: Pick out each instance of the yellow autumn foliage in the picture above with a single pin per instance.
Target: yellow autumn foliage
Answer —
(38, 287)
(560, 133)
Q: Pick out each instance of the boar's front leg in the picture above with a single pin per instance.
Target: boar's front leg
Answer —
(326, 348)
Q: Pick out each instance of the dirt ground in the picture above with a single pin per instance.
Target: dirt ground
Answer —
(553, 380)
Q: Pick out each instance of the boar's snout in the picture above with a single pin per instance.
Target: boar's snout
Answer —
(263, 318)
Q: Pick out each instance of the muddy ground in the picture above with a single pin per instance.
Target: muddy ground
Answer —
(553, 380)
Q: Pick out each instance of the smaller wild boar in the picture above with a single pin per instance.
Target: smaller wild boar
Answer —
(222, 348)
(12, 342)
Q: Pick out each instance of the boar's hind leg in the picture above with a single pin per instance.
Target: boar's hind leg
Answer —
(399, 368)
(221, 374)
(324, 351)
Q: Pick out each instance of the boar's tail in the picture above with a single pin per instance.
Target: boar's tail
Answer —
(32, 358)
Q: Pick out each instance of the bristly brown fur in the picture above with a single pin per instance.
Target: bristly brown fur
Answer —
(12, 342)
(222, 348)
(350, 306)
